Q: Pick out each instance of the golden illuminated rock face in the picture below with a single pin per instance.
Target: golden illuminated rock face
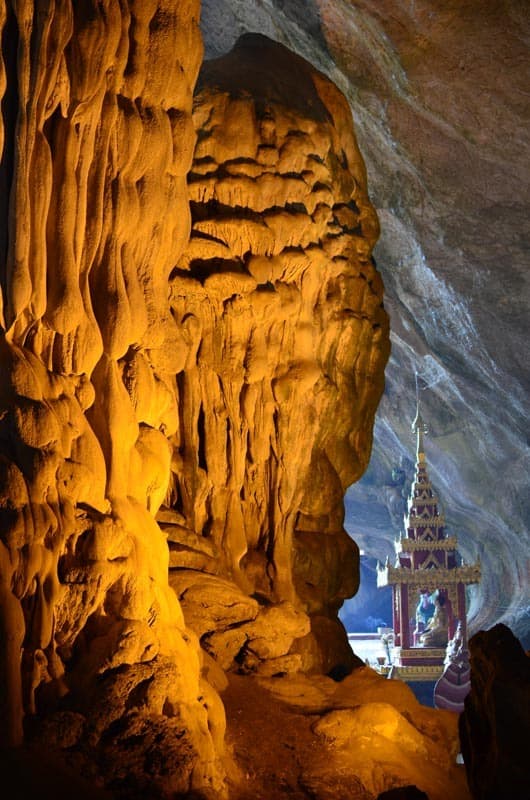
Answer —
(353, 739)
(282, 308)
(98, 139)
(214, 394)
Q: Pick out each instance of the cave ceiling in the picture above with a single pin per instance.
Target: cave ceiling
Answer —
(439, 94)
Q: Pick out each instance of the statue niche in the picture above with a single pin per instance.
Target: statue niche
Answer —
(436, 632)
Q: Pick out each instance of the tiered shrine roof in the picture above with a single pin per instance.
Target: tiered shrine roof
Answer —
(425, 555)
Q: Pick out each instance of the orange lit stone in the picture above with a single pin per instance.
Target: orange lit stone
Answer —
(101, 139)
(290, 341)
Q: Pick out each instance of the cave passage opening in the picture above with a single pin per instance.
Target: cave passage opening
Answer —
(367, 616)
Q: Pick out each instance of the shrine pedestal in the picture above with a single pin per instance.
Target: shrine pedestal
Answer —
(420, 656)
(413, 674)
(415, 664)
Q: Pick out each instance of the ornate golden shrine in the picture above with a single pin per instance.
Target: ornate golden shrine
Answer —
(427, 566)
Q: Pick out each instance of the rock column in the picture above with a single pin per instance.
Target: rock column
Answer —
(97, 142)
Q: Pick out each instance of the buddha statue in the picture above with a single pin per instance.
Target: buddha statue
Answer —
(424, 612)
(436, 634)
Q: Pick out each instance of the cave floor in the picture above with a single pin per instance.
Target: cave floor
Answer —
(277, 753)
(312, 739)
(297, 738)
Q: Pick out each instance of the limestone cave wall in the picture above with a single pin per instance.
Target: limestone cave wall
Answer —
(172, 409)
(283, 308)
(439, 97)
(97, 143)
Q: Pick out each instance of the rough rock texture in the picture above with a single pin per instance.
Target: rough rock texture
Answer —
(192, 407)
(198, 406)
(282, 308)
(439, 93)
(97, 142)
(495, 725)
(314, 739)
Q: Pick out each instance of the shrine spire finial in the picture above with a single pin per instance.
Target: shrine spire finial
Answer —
(418, 425)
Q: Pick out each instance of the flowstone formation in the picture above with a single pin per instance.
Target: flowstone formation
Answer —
(97, 140)
(187, 411)
(439, 97)
(327, 740)
(217, 395)
(282, 309)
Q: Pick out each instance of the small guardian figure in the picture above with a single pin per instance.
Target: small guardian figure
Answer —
(453, 687)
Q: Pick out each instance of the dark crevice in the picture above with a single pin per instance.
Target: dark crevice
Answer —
(138, 696)
(201, 448)
(216, 211)
(228, 442)
(201, 269)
